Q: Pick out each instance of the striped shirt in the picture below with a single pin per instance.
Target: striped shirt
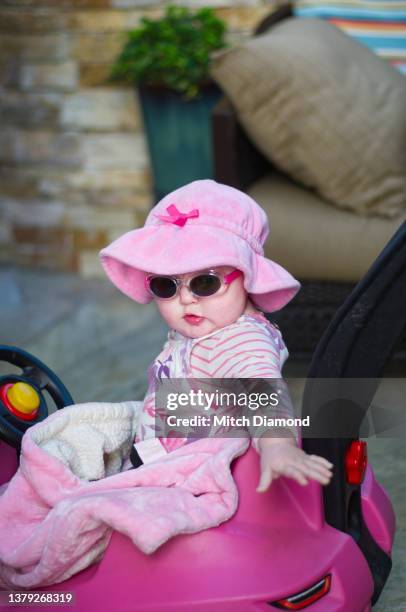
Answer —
(249, 348)
(252, 348)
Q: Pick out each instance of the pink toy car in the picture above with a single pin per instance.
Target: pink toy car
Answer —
(291, 548)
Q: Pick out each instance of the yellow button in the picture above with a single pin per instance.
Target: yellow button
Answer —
(23, 397)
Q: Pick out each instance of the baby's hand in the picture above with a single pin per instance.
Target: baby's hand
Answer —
(281, 457)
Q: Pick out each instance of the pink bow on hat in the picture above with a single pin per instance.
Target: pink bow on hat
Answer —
(177, 217)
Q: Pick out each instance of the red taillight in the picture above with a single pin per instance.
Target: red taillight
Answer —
(356, 460)
(305, 598)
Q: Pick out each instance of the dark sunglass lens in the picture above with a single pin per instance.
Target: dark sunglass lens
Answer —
(162, 287)
(205, 285)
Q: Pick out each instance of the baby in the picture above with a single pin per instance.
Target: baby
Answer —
(200, 258)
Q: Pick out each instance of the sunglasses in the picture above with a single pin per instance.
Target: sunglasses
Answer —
(202, 285)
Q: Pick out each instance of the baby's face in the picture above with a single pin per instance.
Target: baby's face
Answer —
(195, 317)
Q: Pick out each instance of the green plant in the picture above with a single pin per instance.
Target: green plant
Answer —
(173, 51)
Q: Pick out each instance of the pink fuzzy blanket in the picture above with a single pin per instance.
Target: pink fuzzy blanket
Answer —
(54, 523)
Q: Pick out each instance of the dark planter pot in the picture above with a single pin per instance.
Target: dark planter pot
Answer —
(179, 135)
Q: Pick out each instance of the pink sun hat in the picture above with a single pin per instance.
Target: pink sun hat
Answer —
(197, 227)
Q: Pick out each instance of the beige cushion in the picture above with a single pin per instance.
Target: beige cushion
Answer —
(325, 109)
(318, 242)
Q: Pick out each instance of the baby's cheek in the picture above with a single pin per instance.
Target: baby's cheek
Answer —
(224, 317)
(230, 306)
(168, 311)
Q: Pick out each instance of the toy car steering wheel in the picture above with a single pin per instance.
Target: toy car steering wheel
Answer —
(22, 401)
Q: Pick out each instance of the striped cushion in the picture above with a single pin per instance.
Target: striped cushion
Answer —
(381, 26)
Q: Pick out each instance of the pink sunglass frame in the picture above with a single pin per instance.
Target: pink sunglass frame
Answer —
(227, 279)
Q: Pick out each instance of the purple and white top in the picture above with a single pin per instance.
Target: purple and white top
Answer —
(249, 348)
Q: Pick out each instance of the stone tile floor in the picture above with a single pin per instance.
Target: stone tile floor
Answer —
(100, 343)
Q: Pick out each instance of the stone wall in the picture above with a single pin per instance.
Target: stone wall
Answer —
(74, 170)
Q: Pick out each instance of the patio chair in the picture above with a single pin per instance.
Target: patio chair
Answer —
(239, 163)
